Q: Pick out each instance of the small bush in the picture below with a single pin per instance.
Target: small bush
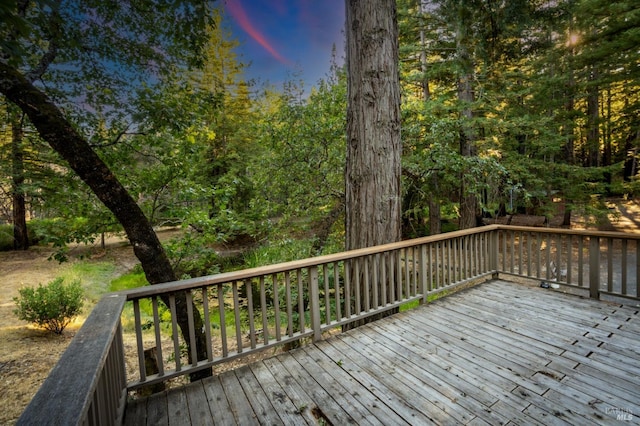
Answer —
(52, 306)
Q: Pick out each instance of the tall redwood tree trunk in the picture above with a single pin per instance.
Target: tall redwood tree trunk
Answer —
(372, 175)
(373, 204)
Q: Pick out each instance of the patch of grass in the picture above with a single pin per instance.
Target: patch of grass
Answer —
(128, 281)
(94, 276)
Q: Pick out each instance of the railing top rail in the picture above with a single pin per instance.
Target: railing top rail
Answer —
(227, 277)
(585, 232)
(241, 275)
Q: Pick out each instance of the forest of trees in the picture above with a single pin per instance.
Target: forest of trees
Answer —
(520, 106)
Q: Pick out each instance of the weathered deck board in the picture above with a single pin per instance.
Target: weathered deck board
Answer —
(499, 353)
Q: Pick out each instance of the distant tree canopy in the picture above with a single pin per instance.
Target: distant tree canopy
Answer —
(519, 106)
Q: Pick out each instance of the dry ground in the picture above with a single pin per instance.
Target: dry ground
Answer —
(28, 354)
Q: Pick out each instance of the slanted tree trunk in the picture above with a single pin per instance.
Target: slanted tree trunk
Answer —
(54, 128)
(372, 173)
(20, 234)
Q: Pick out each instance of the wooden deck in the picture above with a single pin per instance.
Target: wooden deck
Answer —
(499, 353)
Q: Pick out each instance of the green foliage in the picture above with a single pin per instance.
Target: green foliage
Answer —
(52, 306)
(277, 252)
(6, 237)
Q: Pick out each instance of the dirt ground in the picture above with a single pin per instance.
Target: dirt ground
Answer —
(27, 354)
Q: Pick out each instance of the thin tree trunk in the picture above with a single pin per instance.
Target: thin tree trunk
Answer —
(593, 118)
(64, 139)
(20, 233)
(435, 216)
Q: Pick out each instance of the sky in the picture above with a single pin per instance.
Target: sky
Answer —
(280, 39)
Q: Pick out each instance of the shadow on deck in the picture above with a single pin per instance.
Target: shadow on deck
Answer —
(498, 353)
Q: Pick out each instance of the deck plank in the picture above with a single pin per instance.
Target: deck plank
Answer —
(498, 353)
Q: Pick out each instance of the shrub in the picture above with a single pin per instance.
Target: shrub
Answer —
(52, 306)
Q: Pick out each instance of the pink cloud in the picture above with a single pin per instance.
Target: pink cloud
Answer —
(238, 13)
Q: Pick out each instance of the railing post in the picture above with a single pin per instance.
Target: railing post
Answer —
(314, 303)
(594, 267)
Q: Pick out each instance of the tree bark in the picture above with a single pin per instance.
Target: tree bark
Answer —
(373, 205)
(372, 174)
(54, 128)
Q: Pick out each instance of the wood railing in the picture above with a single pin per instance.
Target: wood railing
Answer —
(257, 309)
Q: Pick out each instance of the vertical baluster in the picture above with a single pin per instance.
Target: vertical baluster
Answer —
(407, 273)
(638, 268)
(367, 283)
(503, 236)
(463, 258)
(287, 288)
(429, 269)
(529, 254)
(192, 332)
(397, 257)
(314, 302)
(207, 323)
(570, 259)
(392, 277)
(347, 288)
(623, 280)
(538, 249)
(337, 290)
(512, 240)
(609, 264)
(174, 331)
(438, 266)
(263, 311)
(223, 322)
(138, 325)
(372, 271)
(158, 336)
(236, 315)
(422, 273)
(301, 317)
(276, 305)
(520, 249)
(547, 255)
(414, 270)
(252, 325)
(356, 286)
(482, 253)
(580, 261)
(327, 294)
(559, 248)
(384, 285)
